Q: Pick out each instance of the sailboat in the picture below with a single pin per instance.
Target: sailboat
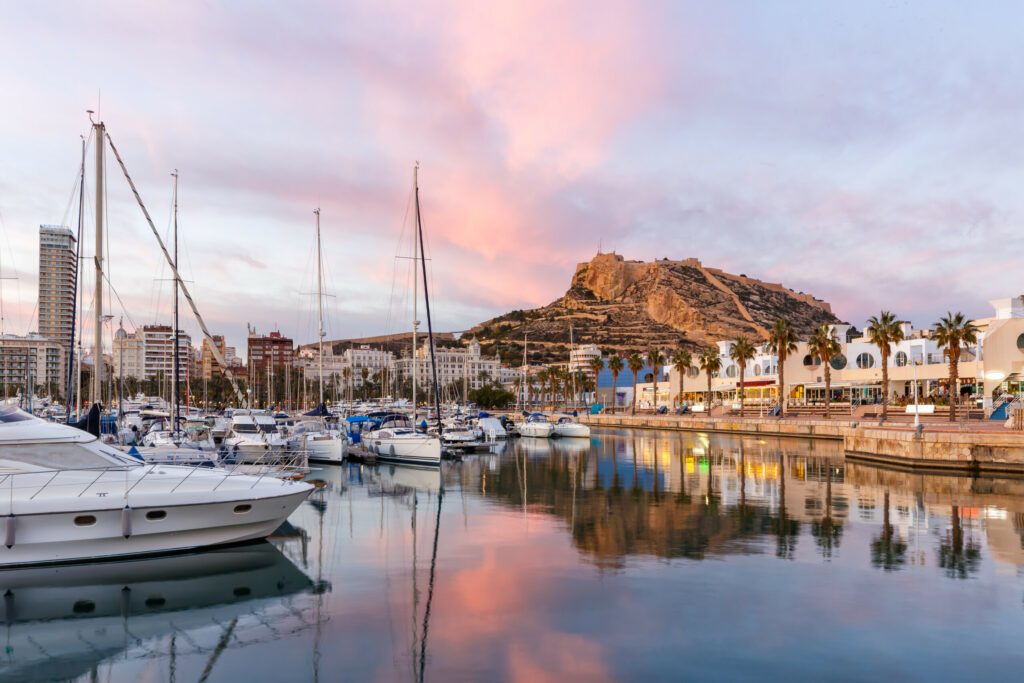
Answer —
(396, 439)
(322, 443)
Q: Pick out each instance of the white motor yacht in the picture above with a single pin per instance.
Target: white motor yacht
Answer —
(397, 441)
(568, 427)
(323, 444)
(65, 496)
(255, 439)
(536, 426)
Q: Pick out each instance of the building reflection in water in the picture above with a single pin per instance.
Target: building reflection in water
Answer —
(680, 495)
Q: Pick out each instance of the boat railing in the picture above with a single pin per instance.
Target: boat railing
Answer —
(11, 482)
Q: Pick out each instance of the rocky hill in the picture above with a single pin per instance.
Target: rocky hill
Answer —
(626, 306)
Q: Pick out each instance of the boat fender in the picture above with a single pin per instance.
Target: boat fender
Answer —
(126, 521)
(10, 531)
(9, 608)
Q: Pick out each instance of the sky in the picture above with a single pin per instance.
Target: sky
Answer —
(865, 152)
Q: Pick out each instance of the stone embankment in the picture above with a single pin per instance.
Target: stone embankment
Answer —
(952, 447)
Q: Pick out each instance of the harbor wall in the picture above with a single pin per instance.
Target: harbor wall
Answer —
(974, 451)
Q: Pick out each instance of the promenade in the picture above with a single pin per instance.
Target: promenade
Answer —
(970, 446)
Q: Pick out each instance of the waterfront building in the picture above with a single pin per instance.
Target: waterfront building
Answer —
(273, 350)
(207, 362)
(58, 270)
(148, 353)
(31, 359)
(580, 357)
(465, 367)
(994, 365)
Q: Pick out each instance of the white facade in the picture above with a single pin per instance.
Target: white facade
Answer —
(58, 269)
(145, 353)
(31, 358)
(580, 357)
(461, 366)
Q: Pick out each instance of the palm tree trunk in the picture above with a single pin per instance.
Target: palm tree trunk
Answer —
(828, 389)
(885, 387)
(615, 389)
(655, 390)
(633, 409)
(707, 399)
(742, 368)
(953, 372)
(782, 385)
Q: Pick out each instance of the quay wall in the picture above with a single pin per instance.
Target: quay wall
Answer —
(985, 450)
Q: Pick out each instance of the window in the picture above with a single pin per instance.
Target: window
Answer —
(900, 359)
(1020, 342)
(757, 369)
(693, 371)
(865, 361)
(156, 515)
(731, 371)
(811, 361)
(838, 361)
(85, 520)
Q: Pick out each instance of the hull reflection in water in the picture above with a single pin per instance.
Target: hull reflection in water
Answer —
(62, 622)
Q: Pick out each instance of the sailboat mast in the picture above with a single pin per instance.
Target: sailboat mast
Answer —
(415, 292)
(74, 299)
(320, 302)
(97, 379)
(175, 400)
(426, 301)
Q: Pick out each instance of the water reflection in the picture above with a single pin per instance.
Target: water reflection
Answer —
(61, 622)
(631, 556)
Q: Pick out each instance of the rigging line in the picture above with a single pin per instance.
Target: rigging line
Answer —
(124, 309)
(177, 276)
(430, 584)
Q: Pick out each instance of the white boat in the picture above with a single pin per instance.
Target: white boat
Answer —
(68, 497)
(491, 429)
(396, 441)
(536, 426)
(255, 439)
(568, 427)
(325, 445)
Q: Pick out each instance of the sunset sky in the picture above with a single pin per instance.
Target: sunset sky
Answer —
(868, 153)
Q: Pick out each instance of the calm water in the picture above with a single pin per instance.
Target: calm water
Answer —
(636, 556)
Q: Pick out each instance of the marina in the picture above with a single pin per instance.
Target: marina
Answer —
(638, 549)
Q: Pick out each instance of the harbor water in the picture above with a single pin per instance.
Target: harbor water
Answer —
(632, 555)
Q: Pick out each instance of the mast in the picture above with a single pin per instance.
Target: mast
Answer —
(175, 399)
(74, 298)
(320, 302)
(415, 293)
(97, 374)
(426, 301)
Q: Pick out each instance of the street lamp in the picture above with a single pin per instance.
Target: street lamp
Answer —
(917, 409)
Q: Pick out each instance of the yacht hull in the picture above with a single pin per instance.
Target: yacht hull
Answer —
(326, 449)
(413, 451)
(538, 430)
(572, 431)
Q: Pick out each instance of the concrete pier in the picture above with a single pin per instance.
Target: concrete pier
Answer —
(985, 448)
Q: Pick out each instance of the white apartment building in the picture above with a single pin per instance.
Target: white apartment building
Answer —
(580, 357)
(32, 358)
(454, 365)
(146, 352)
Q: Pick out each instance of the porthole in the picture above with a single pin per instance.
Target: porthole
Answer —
(242, 509)
(811, 360)
(900, 359)
(693, 371)
(156, 515)
(1020, 342)
(155, 602)
(838, 361)
(731, 371)
(85, 520)
(242, 592)
(84, 607)
(865, 361)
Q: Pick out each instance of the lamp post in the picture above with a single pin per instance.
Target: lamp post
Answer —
(917, 410)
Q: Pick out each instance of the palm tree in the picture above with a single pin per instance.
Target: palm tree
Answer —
(635, 362)
(952, 333)
(616, 365)
(782, 341)
(824, 345)
(543, 375)
(884, 331)
(681, 361)
(596, 366)
(655, 358)
(742, 352)
(711, 363)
